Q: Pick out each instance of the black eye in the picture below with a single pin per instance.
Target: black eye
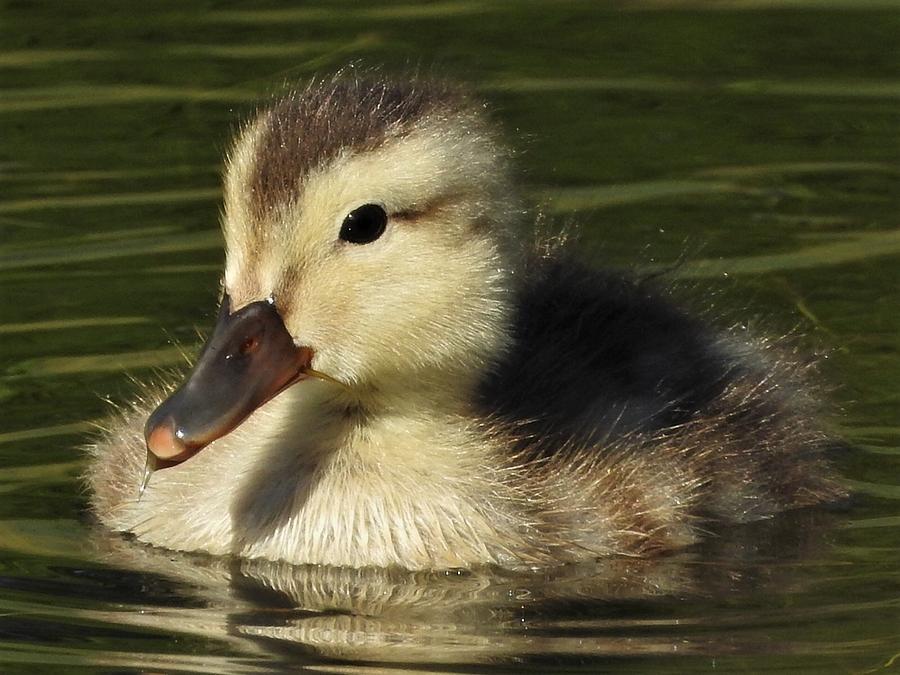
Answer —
(364, 224)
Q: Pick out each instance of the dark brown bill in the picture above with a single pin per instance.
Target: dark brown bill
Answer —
(249, 359)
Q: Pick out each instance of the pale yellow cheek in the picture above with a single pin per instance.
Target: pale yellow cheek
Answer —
(372, 318)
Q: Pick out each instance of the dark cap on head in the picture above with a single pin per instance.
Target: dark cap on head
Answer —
(309, 127)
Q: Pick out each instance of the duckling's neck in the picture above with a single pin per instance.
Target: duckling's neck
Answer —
(405, 473)
(435, 396)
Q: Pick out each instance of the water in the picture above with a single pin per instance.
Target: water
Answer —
(757, 140)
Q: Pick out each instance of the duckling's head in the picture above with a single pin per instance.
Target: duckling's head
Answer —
(370, 233)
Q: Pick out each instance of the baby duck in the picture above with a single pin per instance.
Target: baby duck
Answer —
(401, 375)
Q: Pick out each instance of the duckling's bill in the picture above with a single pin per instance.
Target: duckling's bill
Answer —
(249, 359)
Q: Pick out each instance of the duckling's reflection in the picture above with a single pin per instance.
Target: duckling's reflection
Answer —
(614, 607)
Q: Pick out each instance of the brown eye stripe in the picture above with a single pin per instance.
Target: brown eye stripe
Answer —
(408, 215)
(429, 209)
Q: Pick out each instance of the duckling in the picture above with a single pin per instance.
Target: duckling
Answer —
(403, 374)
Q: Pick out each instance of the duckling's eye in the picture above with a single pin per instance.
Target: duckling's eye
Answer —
(364, 224)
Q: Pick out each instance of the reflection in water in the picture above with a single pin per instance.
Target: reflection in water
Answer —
(615, 607)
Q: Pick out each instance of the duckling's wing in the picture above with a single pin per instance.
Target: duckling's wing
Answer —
(598, 355)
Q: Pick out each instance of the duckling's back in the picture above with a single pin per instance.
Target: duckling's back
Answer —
(605, 363)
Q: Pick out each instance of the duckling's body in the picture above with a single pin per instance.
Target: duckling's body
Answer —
(485, 402)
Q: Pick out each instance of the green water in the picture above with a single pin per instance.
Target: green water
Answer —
(756, 140)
